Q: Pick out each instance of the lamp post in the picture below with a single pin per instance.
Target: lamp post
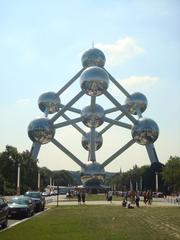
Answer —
(18, 178)
(157, 182)
(141, 183)
(39, 180)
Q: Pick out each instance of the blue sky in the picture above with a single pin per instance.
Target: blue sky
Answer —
(41, 43)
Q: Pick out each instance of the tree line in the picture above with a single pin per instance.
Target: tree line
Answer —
(9, 160)
(142, 178)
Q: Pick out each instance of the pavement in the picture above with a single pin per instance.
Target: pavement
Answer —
(157, 202)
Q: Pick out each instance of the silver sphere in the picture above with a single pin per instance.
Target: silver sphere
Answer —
(136, 101)
(49, 102)
(94, 81)
(93, 118)
(41, 130)
(93, 57)
(92, 174)
(145, 132)
(86, 141)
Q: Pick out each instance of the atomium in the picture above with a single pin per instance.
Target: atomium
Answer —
(41, 130)
(49, 102)
(86, 141)
(94, 82)
(145, 132)
(92, 174)
(93, 117)
(93, 57)
(136, 102)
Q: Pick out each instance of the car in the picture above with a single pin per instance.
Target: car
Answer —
(45, 194)
(21, 206)
(158, 195)
(3, 213)
(38, 200)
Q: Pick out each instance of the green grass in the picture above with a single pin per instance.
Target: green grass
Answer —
(99, 223)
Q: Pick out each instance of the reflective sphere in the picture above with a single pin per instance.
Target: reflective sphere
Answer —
(92, 174)
(49, 102)
(93, 57)
(92, 118)
(86, 140)
(94, 81)
(145, 132)
(41, 130)
(136, 101)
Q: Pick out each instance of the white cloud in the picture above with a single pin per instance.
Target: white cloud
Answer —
(121, 51)
(139, 81)
(23, 101)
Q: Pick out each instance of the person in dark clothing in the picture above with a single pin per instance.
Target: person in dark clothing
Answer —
(83, 195)
(79, 197)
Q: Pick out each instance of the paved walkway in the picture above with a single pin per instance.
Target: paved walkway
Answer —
(156, 202)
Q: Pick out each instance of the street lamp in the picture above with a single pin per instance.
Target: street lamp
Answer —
(18, 174)
(157, 182)
(39, 180)
(18, 178)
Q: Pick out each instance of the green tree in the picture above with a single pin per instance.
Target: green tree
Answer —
(171, 174)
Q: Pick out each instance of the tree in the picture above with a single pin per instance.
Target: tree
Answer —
(171, 174)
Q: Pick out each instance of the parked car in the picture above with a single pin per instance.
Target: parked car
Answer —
(3, 213)
(21, 206)
(157, 195)
(38, 200)
(45, 194)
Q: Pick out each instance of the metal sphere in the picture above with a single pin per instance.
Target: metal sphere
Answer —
(137, 101)
(41, 130)
(94, 81)
(49, 102)
(92, 174)
(145, 132)
(86, 141)
(93, 117)
(93, 57)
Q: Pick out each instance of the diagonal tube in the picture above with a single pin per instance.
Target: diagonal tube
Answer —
(115, 122)
(116, 154)
(35, 150)
(67, 106)
(70, 82)
(122, 109)
(67, 152)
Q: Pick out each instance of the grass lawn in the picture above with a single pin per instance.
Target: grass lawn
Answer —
(99, 223)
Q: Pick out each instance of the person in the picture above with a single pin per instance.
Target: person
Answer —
(109, 195)
(137, 199)
(79, 197)
(124, 202)
(129, 205)
(83, 195)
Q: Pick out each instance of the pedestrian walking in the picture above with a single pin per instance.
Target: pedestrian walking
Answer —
(79, 197)
(83, 195)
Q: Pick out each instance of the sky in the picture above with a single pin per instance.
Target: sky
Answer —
(41, 44)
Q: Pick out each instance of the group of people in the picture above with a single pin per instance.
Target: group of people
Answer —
(81, 196)
(129, 198)
(134, 197)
